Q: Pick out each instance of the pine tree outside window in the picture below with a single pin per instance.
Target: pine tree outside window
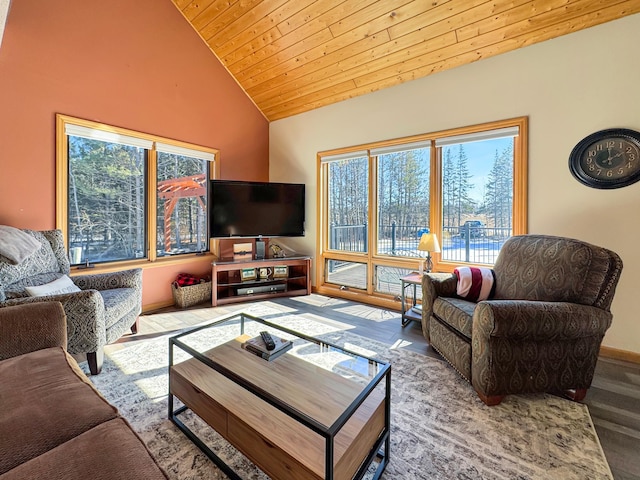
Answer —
(108, 181)
(477, 194)
(466, 185)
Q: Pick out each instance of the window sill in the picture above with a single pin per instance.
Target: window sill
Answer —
(142, 263)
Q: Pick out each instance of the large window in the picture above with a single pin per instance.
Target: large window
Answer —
(477, 194)
(402, 198)
(109, 179)
(181, 190)
(467, 186)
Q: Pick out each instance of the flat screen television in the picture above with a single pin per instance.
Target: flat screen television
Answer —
(255, 209)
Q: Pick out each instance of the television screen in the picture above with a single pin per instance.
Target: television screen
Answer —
(254, 209)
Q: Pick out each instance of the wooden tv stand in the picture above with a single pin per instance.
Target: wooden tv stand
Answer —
(227, 285)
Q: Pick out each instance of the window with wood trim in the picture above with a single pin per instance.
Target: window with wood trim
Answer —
(128, 196)
(466, 185)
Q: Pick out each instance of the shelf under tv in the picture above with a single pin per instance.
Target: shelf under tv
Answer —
(228, 286)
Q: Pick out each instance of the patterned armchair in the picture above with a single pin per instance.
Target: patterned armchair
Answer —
(542, 329)
(106, 306)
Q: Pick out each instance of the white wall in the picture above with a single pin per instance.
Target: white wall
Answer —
(569, 87)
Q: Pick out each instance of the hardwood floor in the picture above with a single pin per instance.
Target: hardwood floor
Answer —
(613, 399)
(614, 404)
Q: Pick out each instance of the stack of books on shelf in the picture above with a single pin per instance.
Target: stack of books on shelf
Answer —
(256, 346)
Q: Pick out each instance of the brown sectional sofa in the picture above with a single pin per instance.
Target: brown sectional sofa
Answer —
(53, 423)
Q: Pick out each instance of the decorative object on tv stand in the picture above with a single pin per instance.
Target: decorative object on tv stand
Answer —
(276, 251)
(280, 271)
(428, 243)
(265, 273)
(248, 274)
(260, 247)
(243, 251)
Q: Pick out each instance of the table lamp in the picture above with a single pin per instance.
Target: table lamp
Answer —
(428, 243)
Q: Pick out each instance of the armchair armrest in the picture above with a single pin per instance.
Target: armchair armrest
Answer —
(523, 346)
(104, 281)
(33, 326)
(435, 285)
(538, 321)
(85, 317)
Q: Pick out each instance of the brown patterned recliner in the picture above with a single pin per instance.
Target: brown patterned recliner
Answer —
(542, 329)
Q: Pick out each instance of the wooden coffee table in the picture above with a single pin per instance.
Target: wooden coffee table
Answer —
(316, 412)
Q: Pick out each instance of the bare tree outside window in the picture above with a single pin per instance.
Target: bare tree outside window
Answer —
(124, 195)
(181, 204)
(349, 204)
(106, 201)
(467, 185)
(403, 201)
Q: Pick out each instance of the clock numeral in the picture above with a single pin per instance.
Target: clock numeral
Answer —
(629, 150)
(592, 153)
(629, 165)
(599, 147)
(620, 171)
(609, 173)
(632, 156)
(611, 144)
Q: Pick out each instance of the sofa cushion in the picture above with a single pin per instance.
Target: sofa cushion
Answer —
(19, 289)
(50, 401)
(108, 451)
(61, 285)
(47, 259)
(474, 283)
(16, 245)
(455, 312)
(556, 269)
(117, 303)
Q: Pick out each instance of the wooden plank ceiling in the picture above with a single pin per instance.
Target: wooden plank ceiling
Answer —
(292, 56)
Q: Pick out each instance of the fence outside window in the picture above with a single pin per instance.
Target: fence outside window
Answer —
(479, 245)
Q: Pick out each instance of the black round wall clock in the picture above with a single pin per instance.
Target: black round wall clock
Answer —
(607, 159)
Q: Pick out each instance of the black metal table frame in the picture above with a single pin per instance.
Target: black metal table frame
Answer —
(406, 310)
(329, 434)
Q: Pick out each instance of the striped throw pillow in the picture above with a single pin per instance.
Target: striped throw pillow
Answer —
(474, 283)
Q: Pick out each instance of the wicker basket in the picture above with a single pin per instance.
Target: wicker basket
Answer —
(191, 294)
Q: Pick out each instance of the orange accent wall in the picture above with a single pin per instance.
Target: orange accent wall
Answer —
(132, 64)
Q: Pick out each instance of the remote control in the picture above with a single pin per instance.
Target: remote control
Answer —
(268, 341)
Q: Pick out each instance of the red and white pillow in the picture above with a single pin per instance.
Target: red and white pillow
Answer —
(474, 283)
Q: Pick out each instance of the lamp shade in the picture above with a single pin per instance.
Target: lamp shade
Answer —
(429, 243)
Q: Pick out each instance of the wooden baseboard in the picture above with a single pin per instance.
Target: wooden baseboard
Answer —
(156, 306)
(616, 354)
(358, 296)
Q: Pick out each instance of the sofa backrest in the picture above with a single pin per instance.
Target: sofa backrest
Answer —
(46, 264)
(556, 269)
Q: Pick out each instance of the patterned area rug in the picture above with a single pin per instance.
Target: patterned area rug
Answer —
(440, 429)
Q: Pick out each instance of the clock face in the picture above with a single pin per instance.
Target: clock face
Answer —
(607, 159)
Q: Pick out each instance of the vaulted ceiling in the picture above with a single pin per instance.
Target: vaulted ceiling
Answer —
(292, 56)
